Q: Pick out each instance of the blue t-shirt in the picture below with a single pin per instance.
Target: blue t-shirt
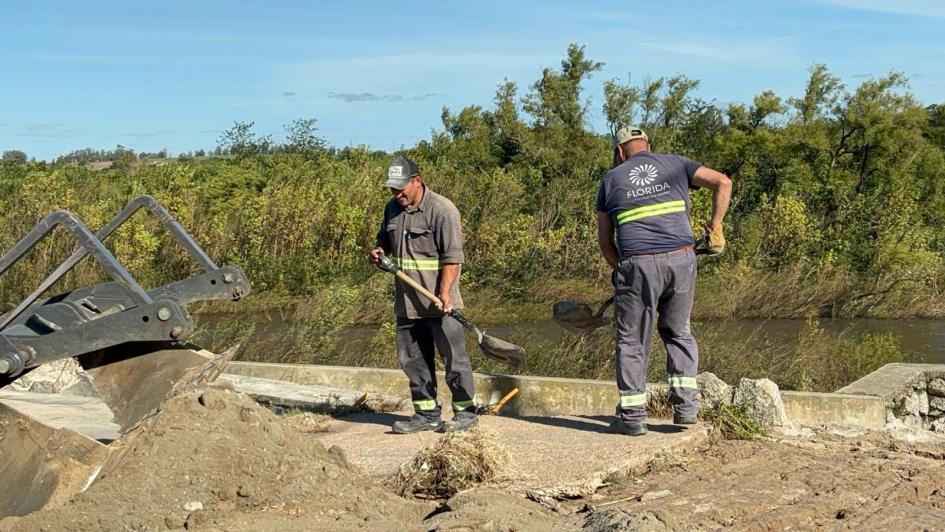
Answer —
(647, 197)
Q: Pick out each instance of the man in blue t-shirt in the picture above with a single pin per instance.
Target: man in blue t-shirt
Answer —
(644, 202)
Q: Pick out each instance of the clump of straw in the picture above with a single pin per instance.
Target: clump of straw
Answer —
(457, 461)
(308, 422)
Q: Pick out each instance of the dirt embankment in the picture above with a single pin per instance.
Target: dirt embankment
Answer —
(218, 460)
(825, 482)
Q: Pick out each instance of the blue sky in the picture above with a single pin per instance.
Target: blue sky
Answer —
(174, 74)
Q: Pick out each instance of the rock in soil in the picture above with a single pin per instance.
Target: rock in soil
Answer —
(936, 387)
(762, 400)
(713, 390)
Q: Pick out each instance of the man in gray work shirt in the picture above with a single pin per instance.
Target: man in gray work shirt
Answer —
(644, 201)
(421, 234)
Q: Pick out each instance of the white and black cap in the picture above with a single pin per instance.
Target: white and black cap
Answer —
(400, 171)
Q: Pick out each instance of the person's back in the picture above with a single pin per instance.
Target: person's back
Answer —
(647, 197)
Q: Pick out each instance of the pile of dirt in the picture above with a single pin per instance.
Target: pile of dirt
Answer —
(216, 459)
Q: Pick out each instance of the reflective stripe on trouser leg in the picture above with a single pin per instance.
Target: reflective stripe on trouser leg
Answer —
(415, 351)
(634, 302)
(631, 400)
(450, 341)
(681, 381)
(424, 405)
(459, 406)
(675, 307)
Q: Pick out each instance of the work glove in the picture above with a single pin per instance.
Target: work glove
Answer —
(715, 240)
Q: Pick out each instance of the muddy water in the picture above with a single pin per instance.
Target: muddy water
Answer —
(921, 340)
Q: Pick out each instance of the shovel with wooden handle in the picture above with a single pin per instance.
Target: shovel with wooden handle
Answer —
(491, 346)
(577, 317)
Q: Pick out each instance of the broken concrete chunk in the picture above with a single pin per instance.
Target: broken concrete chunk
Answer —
(713, 390)
(937, 387)
(59, 376)
(936, 403)
(914, 404)
(762, 400)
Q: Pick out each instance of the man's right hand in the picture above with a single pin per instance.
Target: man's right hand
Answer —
(375, 256)
(715, 239)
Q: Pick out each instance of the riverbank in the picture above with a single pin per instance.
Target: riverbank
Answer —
(353, 325)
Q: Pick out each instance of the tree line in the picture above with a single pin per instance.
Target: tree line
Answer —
(838, 207)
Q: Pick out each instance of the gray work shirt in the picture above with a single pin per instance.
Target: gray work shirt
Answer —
(647, 197)
(420, 241)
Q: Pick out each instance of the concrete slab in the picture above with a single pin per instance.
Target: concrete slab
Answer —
(311, 397)
(890, 380)
(86, 415)
(549, 453)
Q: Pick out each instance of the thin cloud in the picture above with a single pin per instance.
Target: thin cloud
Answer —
(148, 135)
(390, 75)
(861, 76)
(288, 95)
(84, 59)
(758, 52)
(48, 131)
(352, 97)
(919, 8)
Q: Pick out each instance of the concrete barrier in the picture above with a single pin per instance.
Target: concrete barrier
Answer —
(549, 396)
(812, 408)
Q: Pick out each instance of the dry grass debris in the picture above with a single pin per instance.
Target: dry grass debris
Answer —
(308, 422)
(731, 422)
(456, 461)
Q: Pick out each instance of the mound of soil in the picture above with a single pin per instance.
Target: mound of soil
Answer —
(215, 459)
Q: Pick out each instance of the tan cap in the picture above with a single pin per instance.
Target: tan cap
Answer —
(626, 134)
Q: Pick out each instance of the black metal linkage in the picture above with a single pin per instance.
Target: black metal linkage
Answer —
(89, 245)
(150, 204)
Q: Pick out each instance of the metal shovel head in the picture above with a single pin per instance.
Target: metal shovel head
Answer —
(503, 351)
(576, 317)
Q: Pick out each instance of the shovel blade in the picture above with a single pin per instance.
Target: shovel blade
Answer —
(576, 317)
(503, 351)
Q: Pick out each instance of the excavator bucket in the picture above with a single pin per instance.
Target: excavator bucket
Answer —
(129, 341)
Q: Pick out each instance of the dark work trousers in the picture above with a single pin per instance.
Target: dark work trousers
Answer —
(662, 284)
(416, 340)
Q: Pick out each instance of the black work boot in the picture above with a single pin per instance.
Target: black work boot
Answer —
(416, 424)
(631, 428)
(461, 422)
(679, 419)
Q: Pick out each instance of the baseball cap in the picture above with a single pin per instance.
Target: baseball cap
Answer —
(626, 134)
(400, 171)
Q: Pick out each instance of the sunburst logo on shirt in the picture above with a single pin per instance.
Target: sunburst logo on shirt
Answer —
(643, 175)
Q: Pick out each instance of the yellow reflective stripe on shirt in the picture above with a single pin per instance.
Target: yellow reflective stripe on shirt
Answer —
(425, 404)
(678, 381)
(647, 211)
(417, 264)
(632, 400)
(462, 405)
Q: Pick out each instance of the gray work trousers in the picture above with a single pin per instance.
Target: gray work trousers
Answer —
(661, 284)
(417, 339)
